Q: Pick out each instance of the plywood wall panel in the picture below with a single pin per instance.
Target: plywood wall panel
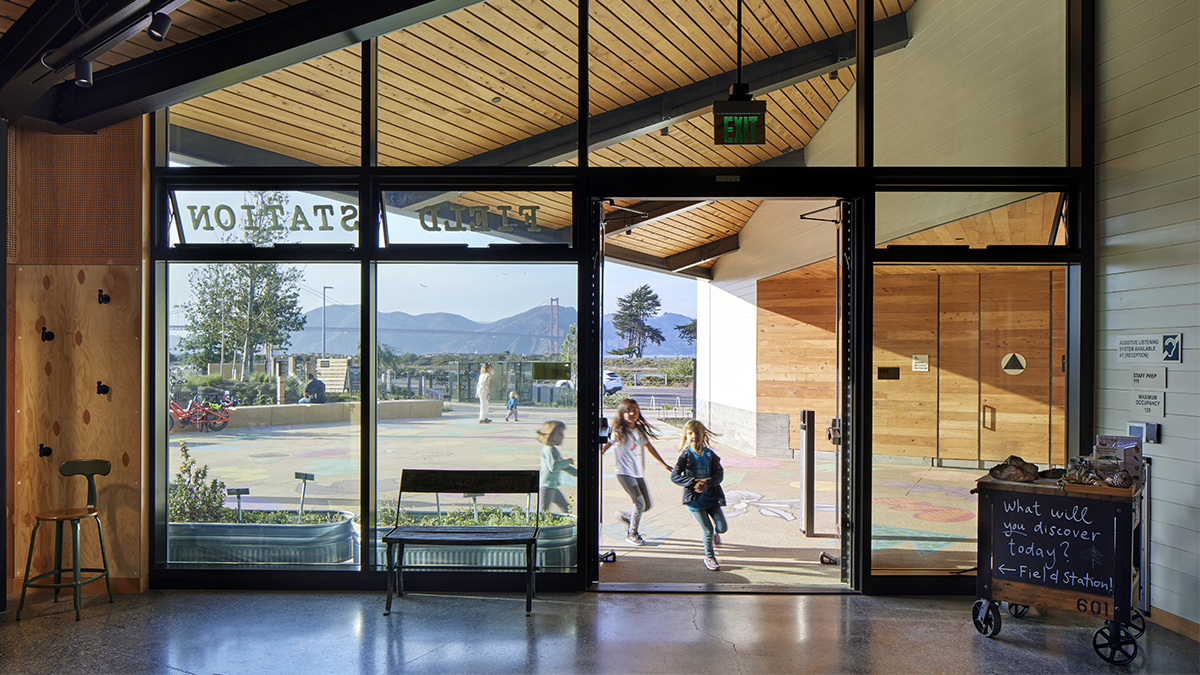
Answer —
(55, 402)
(78, 197)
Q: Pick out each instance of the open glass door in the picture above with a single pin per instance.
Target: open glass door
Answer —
(766, 380)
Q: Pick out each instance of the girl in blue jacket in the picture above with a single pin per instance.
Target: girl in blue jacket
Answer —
(699, 471)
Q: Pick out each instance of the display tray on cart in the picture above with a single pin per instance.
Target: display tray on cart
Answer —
(1068, 547)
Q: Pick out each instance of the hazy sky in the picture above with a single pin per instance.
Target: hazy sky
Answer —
(480, 292)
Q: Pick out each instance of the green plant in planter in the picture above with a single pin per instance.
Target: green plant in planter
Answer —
(487, 515)
(191, 497)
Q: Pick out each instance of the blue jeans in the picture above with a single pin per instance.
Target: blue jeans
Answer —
(710, 520)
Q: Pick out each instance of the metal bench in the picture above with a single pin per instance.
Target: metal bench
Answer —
(446, 481)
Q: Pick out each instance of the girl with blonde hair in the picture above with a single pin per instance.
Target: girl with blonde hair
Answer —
(699, 471)
(551, 436)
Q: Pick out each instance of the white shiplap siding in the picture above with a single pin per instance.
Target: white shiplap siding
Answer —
(1148, 258)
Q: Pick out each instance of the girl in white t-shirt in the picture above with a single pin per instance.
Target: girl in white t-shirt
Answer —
(630, 433)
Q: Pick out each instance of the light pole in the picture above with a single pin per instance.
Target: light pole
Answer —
(323, 289)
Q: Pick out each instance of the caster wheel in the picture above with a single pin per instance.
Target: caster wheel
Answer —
(1136, 625)
(1118, 651)
(986, 615)
(1016, 610)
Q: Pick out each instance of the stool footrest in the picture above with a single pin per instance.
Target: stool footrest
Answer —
(66, 584)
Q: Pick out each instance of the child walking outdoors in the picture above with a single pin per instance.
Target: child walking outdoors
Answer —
(553, 464)
(699, 471)
(631, 434)
(512, 407)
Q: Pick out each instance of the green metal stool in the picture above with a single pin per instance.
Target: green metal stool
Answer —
(75, 467)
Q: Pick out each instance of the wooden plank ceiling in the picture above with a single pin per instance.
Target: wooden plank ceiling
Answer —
(474, 86)
(1027, 222)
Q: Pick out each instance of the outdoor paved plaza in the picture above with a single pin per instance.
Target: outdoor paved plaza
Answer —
(922, 516)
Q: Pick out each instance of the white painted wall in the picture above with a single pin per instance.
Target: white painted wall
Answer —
(774, 240)
(1148, 258)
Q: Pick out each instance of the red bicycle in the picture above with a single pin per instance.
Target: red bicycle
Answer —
(207, 415)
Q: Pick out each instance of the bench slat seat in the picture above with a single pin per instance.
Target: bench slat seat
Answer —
(465, 482)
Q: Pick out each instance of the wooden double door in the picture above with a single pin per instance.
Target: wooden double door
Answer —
(970, 363)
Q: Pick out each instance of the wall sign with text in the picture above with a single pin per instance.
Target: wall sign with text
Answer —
(1151, 348)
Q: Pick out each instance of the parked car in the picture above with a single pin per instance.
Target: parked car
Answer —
(611, 382)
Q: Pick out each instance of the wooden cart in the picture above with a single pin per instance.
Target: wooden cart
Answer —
(1073, 548)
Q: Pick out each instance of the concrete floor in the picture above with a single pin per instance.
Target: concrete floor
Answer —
(328, 633)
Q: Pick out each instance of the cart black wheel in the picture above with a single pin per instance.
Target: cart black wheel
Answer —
(170, 421)
(1016, 610)
(986, 615)
(1118, 652)
(1136, 625)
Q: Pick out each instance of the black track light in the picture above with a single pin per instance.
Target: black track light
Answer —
(83, 73)
(159, 25)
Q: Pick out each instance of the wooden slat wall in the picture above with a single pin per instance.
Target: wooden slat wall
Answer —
(905, 323)
(1058, 374)
(797, 348)
(1014, 309)
(1148, 263)
(958, 379)
(964, 322)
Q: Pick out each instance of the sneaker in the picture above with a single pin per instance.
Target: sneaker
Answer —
(716, 539)
(636, 539)
(624, 516)
(711, 563)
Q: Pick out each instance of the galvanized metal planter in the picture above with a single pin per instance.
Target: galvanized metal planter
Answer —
(258, 543)
(556, 551)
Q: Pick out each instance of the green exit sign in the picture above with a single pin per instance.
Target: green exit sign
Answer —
(739, 122)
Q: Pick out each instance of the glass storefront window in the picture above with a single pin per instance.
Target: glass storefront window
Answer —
(969, 368)
(309, 114)
(264, 217)
(478, 218)
(971, 219)
(657, 69)
(980, 84)
(442, 328)
(492, 84)
(263, 413)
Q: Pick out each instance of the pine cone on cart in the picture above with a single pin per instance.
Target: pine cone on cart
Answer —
(1015, 469)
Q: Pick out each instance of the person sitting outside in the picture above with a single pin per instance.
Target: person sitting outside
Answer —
(314, 391)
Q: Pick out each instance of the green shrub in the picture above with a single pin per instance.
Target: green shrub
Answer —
(276, 517)
(191, 497)
(487, 515)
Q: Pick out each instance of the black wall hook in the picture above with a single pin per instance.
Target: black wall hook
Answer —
(46, 335)
(102, 388)
(43, 451)
(104, 297)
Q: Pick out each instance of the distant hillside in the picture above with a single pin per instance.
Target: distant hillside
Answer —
(526, 333)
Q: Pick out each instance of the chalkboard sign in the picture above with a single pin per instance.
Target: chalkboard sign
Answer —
(1061, 542)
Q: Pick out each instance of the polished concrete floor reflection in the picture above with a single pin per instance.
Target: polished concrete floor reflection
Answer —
(243, 632)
